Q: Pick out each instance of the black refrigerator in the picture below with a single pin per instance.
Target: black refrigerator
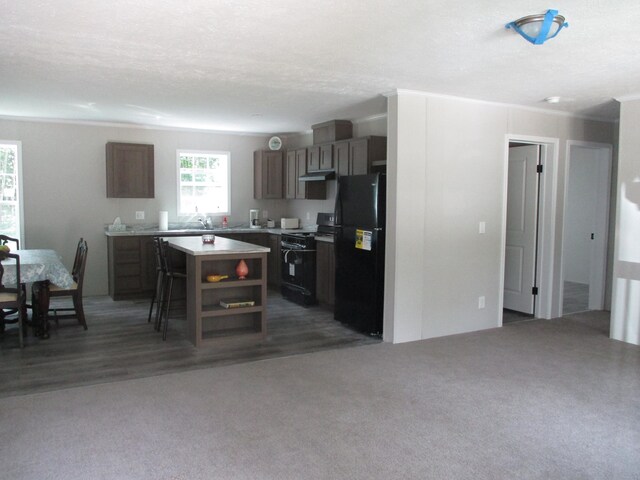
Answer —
(359, 251)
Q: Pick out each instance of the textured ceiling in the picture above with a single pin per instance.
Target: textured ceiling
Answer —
(283, 65)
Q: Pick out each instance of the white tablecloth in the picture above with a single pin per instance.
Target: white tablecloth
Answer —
(37, 266)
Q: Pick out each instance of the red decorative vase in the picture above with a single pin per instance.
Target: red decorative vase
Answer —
(242, 270)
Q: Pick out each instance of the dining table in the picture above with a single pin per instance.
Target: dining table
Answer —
(40, 267)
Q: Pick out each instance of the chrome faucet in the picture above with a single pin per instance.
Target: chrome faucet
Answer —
(206, 222)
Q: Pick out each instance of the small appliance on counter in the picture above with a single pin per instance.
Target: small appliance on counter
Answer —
(254, 218)
(289, 223)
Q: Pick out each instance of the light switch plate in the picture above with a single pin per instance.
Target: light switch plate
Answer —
(482, 227)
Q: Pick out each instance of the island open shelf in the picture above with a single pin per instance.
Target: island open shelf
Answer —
(207, 320)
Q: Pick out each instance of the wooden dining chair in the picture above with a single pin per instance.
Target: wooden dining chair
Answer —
(4, 239)
(75, 292)
(12, 297)
(171, 273)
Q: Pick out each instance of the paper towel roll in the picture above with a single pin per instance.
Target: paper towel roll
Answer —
(163, 223)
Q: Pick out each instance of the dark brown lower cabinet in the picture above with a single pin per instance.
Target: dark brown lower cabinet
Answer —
(132, 271)
(274, 264)
(325, 273)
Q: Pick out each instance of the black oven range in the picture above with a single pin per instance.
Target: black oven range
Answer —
(299, 267)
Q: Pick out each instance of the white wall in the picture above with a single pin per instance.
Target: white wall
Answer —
(625, 302)
(65, 186)
(448, 174)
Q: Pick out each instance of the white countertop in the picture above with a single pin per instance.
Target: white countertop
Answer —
(194, 246)
(153, 231)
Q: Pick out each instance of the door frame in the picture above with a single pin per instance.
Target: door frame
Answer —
(550, 150)
(606, 155)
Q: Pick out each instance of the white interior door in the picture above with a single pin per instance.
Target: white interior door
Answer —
(520, 252)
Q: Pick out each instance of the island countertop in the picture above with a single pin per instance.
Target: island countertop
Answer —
(222, 246)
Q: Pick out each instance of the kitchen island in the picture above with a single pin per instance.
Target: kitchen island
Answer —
(245, 316)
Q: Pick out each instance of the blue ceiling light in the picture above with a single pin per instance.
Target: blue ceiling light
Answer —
(537, 29)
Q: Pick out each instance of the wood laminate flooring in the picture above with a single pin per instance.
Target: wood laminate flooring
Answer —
(121, 345)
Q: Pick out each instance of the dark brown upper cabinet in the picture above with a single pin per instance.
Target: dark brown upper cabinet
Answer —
(297, 166)
(313, 158)
(268, 174)
(130, 172)
(320, 157)
(355, 156)
(326, 156)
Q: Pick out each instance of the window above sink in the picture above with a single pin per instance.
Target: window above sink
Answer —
(203, 182)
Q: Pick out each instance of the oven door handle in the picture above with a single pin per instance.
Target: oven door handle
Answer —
(285, 253)
(291, 246)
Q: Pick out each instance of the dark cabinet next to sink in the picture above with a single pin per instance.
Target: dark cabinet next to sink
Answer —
(132, 267)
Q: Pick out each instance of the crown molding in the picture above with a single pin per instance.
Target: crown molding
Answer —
(140, 126)
(628, 98)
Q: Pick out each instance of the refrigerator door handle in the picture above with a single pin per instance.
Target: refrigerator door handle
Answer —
(337, 213)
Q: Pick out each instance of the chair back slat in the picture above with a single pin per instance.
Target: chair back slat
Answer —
(4, 239)
(158, 251)
(76, 260)
(81, 257)
(166, 257)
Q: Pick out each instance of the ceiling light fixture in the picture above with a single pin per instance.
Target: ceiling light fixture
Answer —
(537, 29)
(552, 99)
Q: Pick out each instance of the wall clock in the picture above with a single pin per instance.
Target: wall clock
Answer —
(275, 143)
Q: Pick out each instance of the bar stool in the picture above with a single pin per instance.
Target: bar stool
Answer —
(160, 274)
(170, 273)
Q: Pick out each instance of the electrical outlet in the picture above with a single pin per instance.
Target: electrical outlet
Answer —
(265, 213)
(139, 215)
(481, 301)
(308, 215)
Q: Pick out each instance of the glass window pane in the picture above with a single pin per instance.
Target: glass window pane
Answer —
(9, 190)
(207, 176)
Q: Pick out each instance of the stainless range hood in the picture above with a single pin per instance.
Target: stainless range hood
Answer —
(318, 176)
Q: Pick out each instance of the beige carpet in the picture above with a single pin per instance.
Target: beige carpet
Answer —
(532, 400)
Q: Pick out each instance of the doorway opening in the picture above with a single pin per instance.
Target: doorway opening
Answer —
(528, 228)
(585, 227)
